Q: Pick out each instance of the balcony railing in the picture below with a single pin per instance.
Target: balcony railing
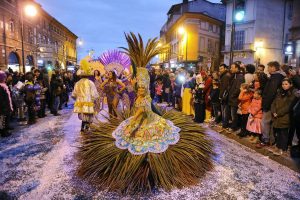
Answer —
(245, 47)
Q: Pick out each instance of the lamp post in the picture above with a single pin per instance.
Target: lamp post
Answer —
(31, 11)
(237, 16)
(182, 31)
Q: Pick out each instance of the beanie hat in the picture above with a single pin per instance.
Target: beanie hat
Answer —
(3, 76)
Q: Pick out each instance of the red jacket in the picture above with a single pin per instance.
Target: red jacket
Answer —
(245, 99)
(255, 108)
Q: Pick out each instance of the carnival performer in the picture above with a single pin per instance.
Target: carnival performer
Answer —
(113, 88)
(129, 90)
(85, 93)
(99, 101)
(144, 151)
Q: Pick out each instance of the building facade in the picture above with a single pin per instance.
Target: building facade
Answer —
(295, 35)
(193, 34)
(47, 43)
(262, 33)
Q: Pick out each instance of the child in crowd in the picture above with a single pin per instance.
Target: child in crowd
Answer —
(280, 110)
(245, 99)
(215, 101)
(158, 90)
(255, 117)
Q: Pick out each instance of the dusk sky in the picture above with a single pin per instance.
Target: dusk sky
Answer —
(101, 23)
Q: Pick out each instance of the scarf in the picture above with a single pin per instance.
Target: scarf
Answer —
(5, 87)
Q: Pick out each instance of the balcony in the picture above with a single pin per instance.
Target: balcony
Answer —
(242, 48)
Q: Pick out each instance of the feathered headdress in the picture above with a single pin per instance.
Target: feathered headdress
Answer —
(115, 60)
(85, 68)
(139, 54)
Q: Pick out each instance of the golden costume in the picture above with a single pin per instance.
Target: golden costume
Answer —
(85, 93)
(145, 131)
(137, 152)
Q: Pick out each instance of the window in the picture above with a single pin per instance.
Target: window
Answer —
(202, 44)
(203, 25)
(30, 35)
(210, 28)
(239, 40)
(214, 28)
(210, 47)
(11, 26)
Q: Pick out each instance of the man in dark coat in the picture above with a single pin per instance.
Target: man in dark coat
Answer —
(268, 96)
(225, 77)
(233, 94)
(56, 86)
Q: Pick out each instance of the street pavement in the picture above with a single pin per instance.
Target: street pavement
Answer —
(38, 162)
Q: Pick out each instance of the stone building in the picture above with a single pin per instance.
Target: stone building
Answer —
(47, 43)
(262, 33)
(295, 35)
(193, 34)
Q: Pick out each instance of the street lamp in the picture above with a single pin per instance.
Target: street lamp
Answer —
(31, 11)
(182, 31)
(238, 15)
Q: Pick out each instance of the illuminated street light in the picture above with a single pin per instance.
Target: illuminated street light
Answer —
(181, 30)
(239, 16)
(289, 49)
(30, 10)
(80, 42)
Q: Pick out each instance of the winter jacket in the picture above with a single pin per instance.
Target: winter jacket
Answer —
(38, 89)
(234, 89)
(282, 106)
(224, 83)
(255, 108)
(245, 99)
(296, 81)
(56, 86)
(270, 90)
(5, 108)
(214, 96)
(207, 88)
(30, 93)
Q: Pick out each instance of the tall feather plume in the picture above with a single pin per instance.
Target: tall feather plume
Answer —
(140, 54)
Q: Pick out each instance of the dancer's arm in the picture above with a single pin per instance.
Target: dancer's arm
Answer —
(120, 83)
(103, 84)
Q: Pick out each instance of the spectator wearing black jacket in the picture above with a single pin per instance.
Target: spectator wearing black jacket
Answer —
(225, 77)
(6, 106)
(56, 86)
(233, 94)
(215, 101)
(268, 96)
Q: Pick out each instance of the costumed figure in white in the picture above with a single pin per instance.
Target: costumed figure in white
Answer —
(85, 93)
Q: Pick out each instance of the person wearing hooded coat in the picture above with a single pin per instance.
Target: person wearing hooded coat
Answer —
(6, 106)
